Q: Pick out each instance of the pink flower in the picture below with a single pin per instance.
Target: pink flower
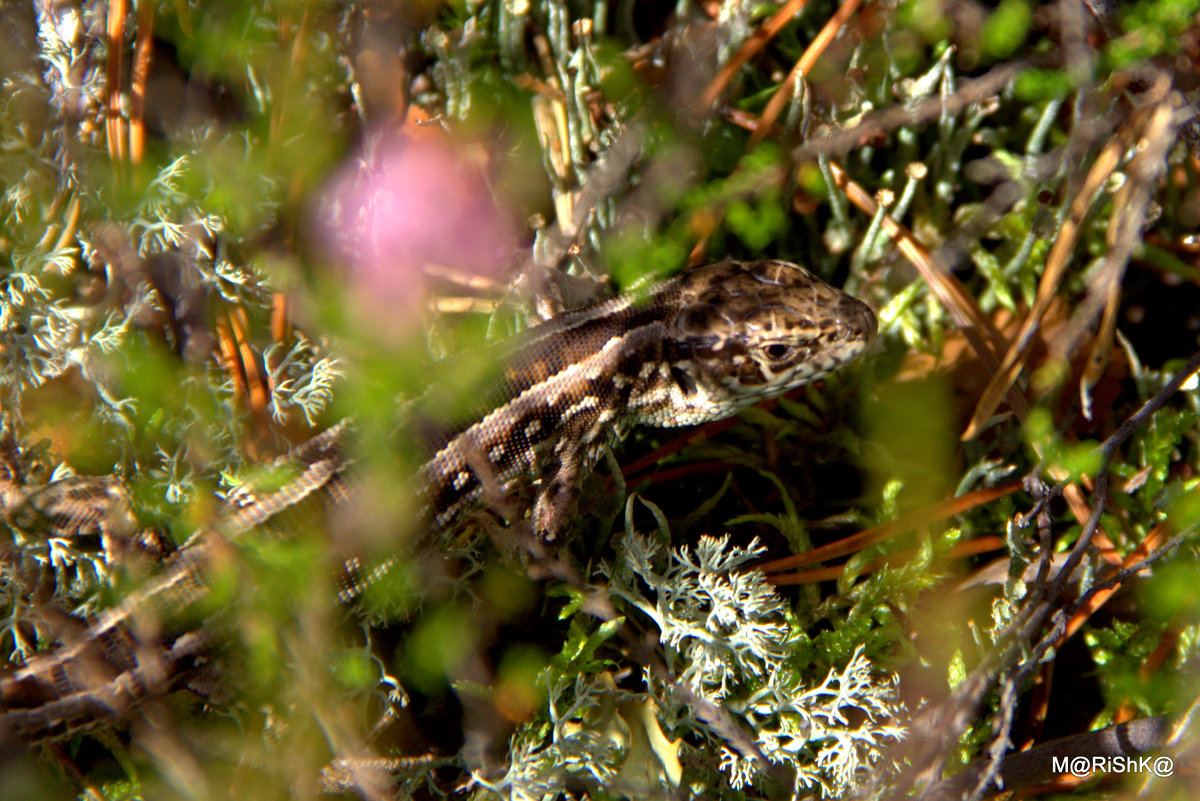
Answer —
(405, 205)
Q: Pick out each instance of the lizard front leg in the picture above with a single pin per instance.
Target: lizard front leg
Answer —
(558, 493)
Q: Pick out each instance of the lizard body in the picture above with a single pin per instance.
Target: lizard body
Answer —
(698, 347)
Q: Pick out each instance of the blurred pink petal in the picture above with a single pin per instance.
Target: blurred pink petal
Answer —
(405, 204)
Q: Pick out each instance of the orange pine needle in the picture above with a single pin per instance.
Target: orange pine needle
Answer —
(141, 74)
(885, 531)
(963, 549)
(1146, 547)
(114, 123)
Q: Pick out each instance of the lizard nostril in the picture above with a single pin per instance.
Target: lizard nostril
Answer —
(859, 317)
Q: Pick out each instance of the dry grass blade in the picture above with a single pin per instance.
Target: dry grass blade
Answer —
(281, 318)
(257, 383)
(229, 355)
(1081, 510)
(885, 531)
(71, 227)
(294, 34)
(233, 336)
(1154, 128)
(1056, 264)
(1130, 210)
(802, 67)
(1102, 345)
(747, 51)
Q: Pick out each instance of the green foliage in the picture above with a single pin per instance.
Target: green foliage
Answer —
(1034, 85)
(1006, 28)
(1151, 29)
(925, 17)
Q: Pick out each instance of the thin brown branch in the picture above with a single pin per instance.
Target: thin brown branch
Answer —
(838, 143)
(942, 724)
(1144, 549)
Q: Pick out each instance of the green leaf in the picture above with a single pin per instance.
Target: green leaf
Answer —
(1036, 85)
(1006, 29)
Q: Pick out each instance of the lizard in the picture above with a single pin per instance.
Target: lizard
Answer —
(697, 347)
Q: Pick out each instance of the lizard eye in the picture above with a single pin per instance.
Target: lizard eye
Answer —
(777, 351)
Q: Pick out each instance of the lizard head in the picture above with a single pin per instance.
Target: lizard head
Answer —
(744, 331)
